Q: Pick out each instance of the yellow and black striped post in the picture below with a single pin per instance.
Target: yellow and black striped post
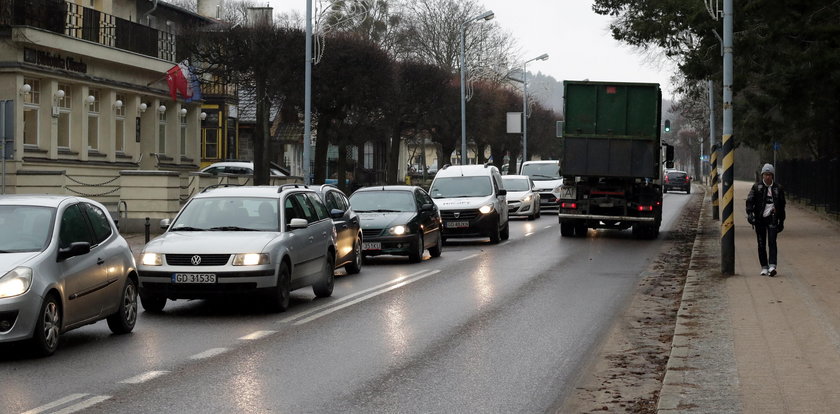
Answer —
(713, 178)
(727, 225)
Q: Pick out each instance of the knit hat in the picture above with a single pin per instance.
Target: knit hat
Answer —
(768, 168)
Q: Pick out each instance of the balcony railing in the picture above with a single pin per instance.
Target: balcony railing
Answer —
(80, 22)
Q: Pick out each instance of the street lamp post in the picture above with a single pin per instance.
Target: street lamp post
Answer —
(543, 56)
(488, 15)
(307, 96)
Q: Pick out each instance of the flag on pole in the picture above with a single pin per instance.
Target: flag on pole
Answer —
(194, 86)
(182, 79)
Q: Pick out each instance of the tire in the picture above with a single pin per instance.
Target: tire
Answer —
(122, 321)
(416, 255)
(581, 230)
(355, 266)
(688, 190)
(494, 235)
(506, 231)
(280, 298)
(152, 304)
(443, 241)
(539, 210)
(567, 229)
(48, 327)
(436, 250)
(324, 287)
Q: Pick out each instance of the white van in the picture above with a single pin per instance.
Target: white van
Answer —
(472, 202)
(547, 179)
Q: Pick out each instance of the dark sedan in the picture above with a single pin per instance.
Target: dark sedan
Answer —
(347, 228)
(677, 180)
(398, 220)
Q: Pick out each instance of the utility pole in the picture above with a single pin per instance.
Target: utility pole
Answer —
(713, 147)
(727, 225)
(307, 117)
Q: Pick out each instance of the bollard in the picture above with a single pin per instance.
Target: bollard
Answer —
(148, 227)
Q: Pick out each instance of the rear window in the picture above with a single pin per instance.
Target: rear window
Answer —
(672, 175)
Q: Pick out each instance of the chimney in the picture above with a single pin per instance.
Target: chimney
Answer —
(210, 8)
(260, 16)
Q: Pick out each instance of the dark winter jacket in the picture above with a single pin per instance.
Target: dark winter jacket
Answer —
(756, 201)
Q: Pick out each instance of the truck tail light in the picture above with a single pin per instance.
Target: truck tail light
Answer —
(645, 208)
(568, 205)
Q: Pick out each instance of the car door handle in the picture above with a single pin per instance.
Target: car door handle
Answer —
(99, 261)
(311, 238)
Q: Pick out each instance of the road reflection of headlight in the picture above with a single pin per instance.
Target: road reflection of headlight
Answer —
(485, 209)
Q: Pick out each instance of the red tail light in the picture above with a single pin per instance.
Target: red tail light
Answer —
(645, 208)
(568, 205)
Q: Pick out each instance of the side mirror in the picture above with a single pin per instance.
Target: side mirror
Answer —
(164, 224)
(75, 249)
(298, 223)
(336, 213)
(427, 207)
(501, 192)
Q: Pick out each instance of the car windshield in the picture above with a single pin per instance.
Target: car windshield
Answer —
(516, 184)
(25, 228)
(542, 171)
(228, 214)
(382, 201)
(453, 187)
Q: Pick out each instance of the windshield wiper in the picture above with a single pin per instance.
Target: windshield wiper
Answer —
(383, 210)
(187, 228)
(544, 176)
(232, 228)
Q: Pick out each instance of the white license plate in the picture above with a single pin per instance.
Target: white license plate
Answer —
(194, 278)
(457, 224)
(568, 192)
(371, 246)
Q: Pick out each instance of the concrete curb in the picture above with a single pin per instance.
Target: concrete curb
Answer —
(674, 381)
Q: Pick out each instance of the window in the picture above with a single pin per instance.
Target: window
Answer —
(320, 210)
(31, 109)
(332, 201)
(74, 228)
(93, 120)
(306, 207)
(211, 143)
(99, 221)
(64, 106)
(368, 161)
(162, 133)
(34, 95)
(183, 134)
(119, 130)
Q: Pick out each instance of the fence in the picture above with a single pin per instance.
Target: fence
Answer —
(816, 183)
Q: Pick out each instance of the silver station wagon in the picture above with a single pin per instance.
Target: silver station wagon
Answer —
(62, 265)
(241, 240)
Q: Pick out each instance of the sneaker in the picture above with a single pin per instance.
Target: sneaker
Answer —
(772, 271)
(764, 271)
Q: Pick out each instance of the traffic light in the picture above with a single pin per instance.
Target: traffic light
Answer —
(667, 125)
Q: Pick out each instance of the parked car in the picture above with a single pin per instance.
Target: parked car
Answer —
(348, 230)
(472, 202)
(677, 180)
(241, 240)
(398, 220)
(63, 265)
(240, 168)
(522, 198)
(547, 178)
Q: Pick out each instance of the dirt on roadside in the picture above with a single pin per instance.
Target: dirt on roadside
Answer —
(626, 374)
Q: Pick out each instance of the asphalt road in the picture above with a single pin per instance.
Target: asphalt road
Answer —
(483, 328)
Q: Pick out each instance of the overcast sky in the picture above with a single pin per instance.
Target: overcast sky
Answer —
(577, 40)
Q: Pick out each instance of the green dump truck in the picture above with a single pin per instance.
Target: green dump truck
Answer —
(612, 158)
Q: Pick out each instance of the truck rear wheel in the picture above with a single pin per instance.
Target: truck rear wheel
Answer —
(581, 229)
(567, 229)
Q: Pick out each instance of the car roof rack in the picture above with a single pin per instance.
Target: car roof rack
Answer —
(293, 185)
(221, 185)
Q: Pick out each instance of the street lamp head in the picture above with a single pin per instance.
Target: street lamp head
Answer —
(488, 15)
(543, 56)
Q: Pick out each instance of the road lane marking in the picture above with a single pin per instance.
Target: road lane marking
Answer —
(469, 257)
(56, 403)
(350, 296)
(96, 399)
(363, 298)
(146, 376)
(257, 335)
(528, 234)
(209, 353)
(547, 227)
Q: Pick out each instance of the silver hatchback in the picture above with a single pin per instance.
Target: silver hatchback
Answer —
(62, 265)
(243, 240)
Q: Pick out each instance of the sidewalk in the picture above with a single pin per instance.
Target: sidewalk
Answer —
(754, 344)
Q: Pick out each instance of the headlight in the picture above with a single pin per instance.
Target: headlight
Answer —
(152, 259)
(16, 282)
(527, 198)
(557, 189)
(250, 259)
(398, 230)
(486, 209)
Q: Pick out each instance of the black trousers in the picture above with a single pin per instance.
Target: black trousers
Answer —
(766, 232)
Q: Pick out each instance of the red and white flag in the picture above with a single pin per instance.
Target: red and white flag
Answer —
(177, 80)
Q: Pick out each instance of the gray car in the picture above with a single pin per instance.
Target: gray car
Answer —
(242, 240)
(62, 265)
